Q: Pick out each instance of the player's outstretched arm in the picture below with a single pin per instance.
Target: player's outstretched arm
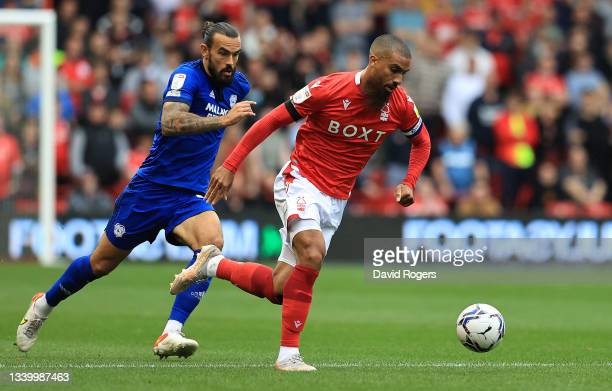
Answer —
(419, 155)
(222, 179)
(177, 120)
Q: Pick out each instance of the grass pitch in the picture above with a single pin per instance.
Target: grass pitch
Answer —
(361, 335)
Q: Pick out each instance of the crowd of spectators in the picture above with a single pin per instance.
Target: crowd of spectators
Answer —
(515, 94)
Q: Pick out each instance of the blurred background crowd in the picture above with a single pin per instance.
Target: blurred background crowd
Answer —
(515, 94)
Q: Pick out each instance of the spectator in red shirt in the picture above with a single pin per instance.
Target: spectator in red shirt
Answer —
(444, 25)
(546, 83)
(501, 44)
(137, 155)
(101, 90)
(516, 135)
(373, 198)
(62, 148)
(476, 15)
(185, 22)
(77, 71)
(10, 163)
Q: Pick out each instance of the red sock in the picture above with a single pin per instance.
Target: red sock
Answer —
(297, 296)
(253, 278)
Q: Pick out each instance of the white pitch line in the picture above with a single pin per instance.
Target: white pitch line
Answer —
(346, 365)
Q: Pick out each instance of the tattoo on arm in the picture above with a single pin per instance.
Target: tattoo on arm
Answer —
(177, 120)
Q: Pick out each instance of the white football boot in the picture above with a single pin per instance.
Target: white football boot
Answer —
(294, 363)
(174, 344)
(196, 272)
(27, 331)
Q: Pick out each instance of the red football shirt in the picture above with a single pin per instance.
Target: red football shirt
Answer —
(341, 131)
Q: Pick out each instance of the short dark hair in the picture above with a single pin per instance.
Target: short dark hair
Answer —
(388, 43)
(209, 29)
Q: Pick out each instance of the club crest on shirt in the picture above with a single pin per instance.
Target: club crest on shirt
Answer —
(301, 204)
(384, 112)
(233, 99)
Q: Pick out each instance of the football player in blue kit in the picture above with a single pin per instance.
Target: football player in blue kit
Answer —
(201, 99)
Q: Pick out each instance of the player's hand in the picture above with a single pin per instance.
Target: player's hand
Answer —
(240, 111)
(219, 186)
(404, 195)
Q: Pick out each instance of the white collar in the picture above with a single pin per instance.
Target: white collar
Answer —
(358, 77)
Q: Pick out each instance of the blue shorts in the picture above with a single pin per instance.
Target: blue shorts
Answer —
(144, 208)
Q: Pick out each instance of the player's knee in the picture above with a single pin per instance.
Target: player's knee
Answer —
(310, 250)
(102, 266)
(218, 242)
(311, 256)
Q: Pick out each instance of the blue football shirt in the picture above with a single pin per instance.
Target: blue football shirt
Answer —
(185, 161)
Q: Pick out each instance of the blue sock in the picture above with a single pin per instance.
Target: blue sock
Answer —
(77, 275)
(188, 300)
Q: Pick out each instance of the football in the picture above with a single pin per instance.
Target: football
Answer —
(480, 327)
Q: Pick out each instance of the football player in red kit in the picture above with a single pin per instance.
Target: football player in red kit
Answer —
(347, 117)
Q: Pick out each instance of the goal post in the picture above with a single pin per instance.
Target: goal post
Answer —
(46, 21)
